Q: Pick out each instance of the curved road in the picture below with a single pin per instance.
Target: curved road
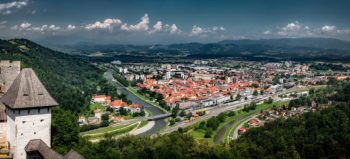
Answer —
(218, 138)
(159, 124)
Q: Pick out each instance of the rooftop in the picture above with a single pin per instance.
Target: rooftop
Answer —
(27, 92)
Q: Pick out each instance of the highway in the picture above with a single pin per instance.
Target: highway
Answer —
(159, 124)
(214, 111)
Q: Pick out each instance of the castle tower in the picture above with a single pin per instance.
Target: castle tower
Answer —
(28, 108)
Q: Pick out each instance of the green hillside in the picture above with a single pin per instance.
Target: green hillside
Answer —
(70, 80)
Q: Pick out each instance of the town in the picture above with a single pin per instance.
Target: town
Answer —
(192, 92)
(174, 79)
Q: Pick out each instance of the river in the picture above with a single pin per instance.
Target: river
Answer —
(159, 124)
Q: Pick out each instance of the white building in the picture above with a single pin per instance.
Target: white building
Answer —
(221, 99)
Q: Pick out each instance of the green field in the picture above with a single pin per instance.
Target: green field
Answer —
(110, 130)
(95, 106)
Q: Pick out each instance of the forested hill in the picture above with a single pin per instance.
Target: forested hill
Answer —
(69, 80)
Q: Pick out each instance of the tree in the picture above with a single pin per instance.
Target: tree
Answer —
(123, 111)
(201, 125)
(213, 123)
(162, 103)
(208, 133)
(255, 93)
(175, 111)
(172, 122)
(182, 113)
(238, 97)
(222, 116)
(105, 120)
(189, 115)
(269, 101)
(231, 113)
(64, 130)
(142, 113)
(252, 105)
(254, 85)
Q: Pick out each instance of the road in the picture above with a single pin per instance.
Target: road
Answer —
(159, 124)
(218, 138)
(214, 111)
(234, 134)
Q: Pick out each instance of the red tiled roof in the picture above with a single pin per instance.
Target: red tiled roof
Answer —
(117, 103)
(134, 105)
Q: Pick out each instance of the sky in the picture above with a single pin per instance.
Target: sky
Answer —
(171, 21)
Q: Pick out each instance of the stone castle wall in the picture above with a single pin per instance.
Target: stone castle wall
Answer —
(8, 73)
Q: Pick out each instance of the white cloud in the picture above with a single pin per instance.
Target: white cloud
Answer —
(216, 28)
(174, 29)
(199, 31)
(28, 27)
(25, 26)
(114, 27)
(6, 12)
(41, 28)
(54, 28)
(106, 24)
(3, 24)
(329, 28)
(196, 30)
(143, 25)
(71, 27)
(5, 8)
(295, 29)
(267, 32)
(157, 27)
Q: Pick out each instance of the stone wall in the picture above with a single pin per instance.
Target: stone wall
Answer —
(8, 73)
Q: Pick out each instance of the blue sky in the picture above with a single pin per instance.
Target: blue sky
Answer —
(171, 21)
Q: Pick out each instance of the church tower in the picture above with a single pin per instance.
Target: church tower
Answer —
(28, 108)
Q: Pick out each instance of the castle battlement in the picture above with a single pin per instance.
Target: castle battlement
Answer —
(7, 63)
(8, 73)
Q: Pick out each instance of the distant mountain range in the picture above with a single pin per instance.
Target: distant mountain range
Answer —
(320, 43)
(262, 49)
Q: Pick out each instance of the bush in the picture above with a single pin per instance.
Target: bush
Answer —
(231, 113)
(208, 133)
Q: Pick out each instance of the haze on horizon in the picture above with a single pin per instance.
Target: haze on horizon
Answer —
(171, 21)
